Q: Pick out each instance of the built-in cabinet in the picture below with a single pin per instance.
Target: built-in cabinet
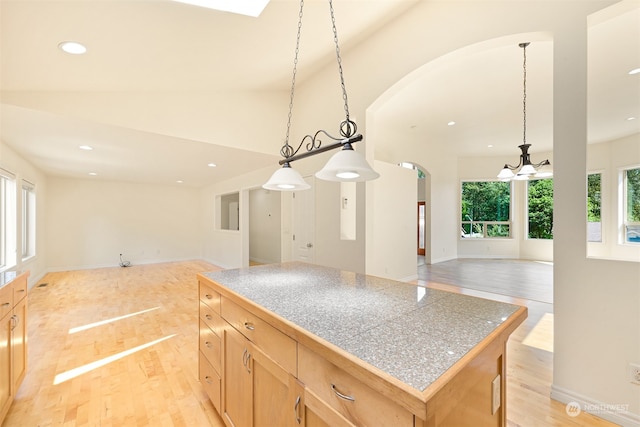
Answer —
(13, 338)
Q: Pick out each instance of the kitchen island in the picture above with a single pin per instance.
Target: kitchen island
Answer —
(299, 344)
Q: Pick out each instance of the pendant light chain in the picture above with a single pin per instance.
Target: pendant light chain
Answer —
(287, 150)
(347, 127)
(524, 91)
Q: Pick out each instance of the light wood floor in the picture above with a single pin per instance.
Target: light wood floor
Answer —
(89, 365)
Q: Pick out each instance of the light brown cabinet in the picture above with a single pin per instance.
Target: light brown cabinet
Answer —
(210, 344)
(13, 339)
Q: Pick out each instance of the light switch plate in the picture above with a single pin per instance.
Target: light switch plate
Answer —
(495, 395)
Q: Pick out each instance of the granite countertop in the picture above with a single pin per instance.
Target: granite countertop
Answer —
(410, 332)
(7, 277)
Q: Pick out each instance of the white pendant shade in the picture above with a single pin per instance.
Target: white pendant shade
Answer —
(505, 174)
(286, 179)
(347, 165)
(527, 170)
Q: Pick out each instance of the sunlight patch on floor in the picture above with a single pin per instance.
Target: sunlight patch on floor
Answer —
(66, 376)
(541, 336)
(104, 322)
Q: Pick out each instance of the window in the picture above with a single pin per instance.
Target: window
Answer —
(594, 207)
(540, 208)
(7, 220)
(28, 220)
(485, 208)
(632, 205)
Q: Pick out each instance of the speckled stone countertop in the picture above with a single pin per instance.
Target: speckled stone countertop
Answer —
(7, 277)
(410, 332)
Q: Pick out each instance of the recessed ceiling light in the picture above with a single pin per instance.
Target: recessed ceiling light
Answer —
(73, 48)
(212, 165)
(630, 118)
(247, 7)
(85, 147)
(635, 71)
(93, 173)
(179, 181)
(490, 146)
(451, 123)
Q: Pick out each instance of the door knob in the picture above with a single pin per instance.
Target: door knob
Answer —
(309, 245)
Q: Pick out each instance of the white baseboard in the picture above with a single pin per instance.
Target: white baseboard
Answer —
(616, 413)
(410, 278)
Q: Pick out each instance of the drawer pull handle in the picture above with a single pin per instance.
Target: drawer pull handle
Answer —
(342, 396)
(208, 379)
(209, 296)
(19, 290)
(296, 410)
(6, 304)
(209, 317)
(246, 359)
(208, 344)
(249, 326)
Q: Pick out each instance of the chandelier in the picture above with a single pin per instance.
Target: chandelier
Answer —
(347, 164)
(525, 169)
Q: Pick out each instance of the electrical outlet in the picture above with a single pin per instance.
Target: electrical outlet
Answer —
(495, 395)
(634, 373)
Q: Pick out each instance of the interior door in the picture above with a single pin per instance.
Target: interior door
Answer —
(421, 225)
(303, 206)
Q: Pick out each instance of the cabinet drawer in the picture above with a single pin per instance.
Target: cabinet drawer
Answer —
(19, 288)
(209, 297)
(6, 299)
(280, 347)
(210, 381)
(357, 402)
(211, 318)
(210, 346)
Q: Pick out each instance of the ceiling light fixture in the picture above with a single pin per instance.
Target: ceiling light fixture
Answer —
(346, 164)
(634, 71)
(85, 147)
(73, 48)
(211, 165)
(525, 169)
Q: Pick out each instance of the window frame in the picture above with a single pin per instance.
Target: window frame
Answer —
(28, 232)
(486, 224)
(624, 221)
(602, 204)
(8, 224)
(527, 212)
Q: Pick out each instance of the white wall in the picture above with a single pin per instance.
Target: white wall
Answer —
(596, 303)
(90, 223)
(392, 221)
(23, 169)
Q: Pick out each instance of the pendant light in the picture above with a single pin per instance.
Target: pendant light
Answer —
(347, 164)
(525, 169)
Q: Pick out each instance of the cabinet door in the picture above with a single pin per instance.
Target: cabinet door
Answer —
(236, 379)
(318, 413)
(5, 365)
(19, 343)
(273, 404)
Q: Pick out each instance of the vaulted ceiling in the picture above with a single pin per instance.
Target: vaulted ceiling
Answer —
(169, 47)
